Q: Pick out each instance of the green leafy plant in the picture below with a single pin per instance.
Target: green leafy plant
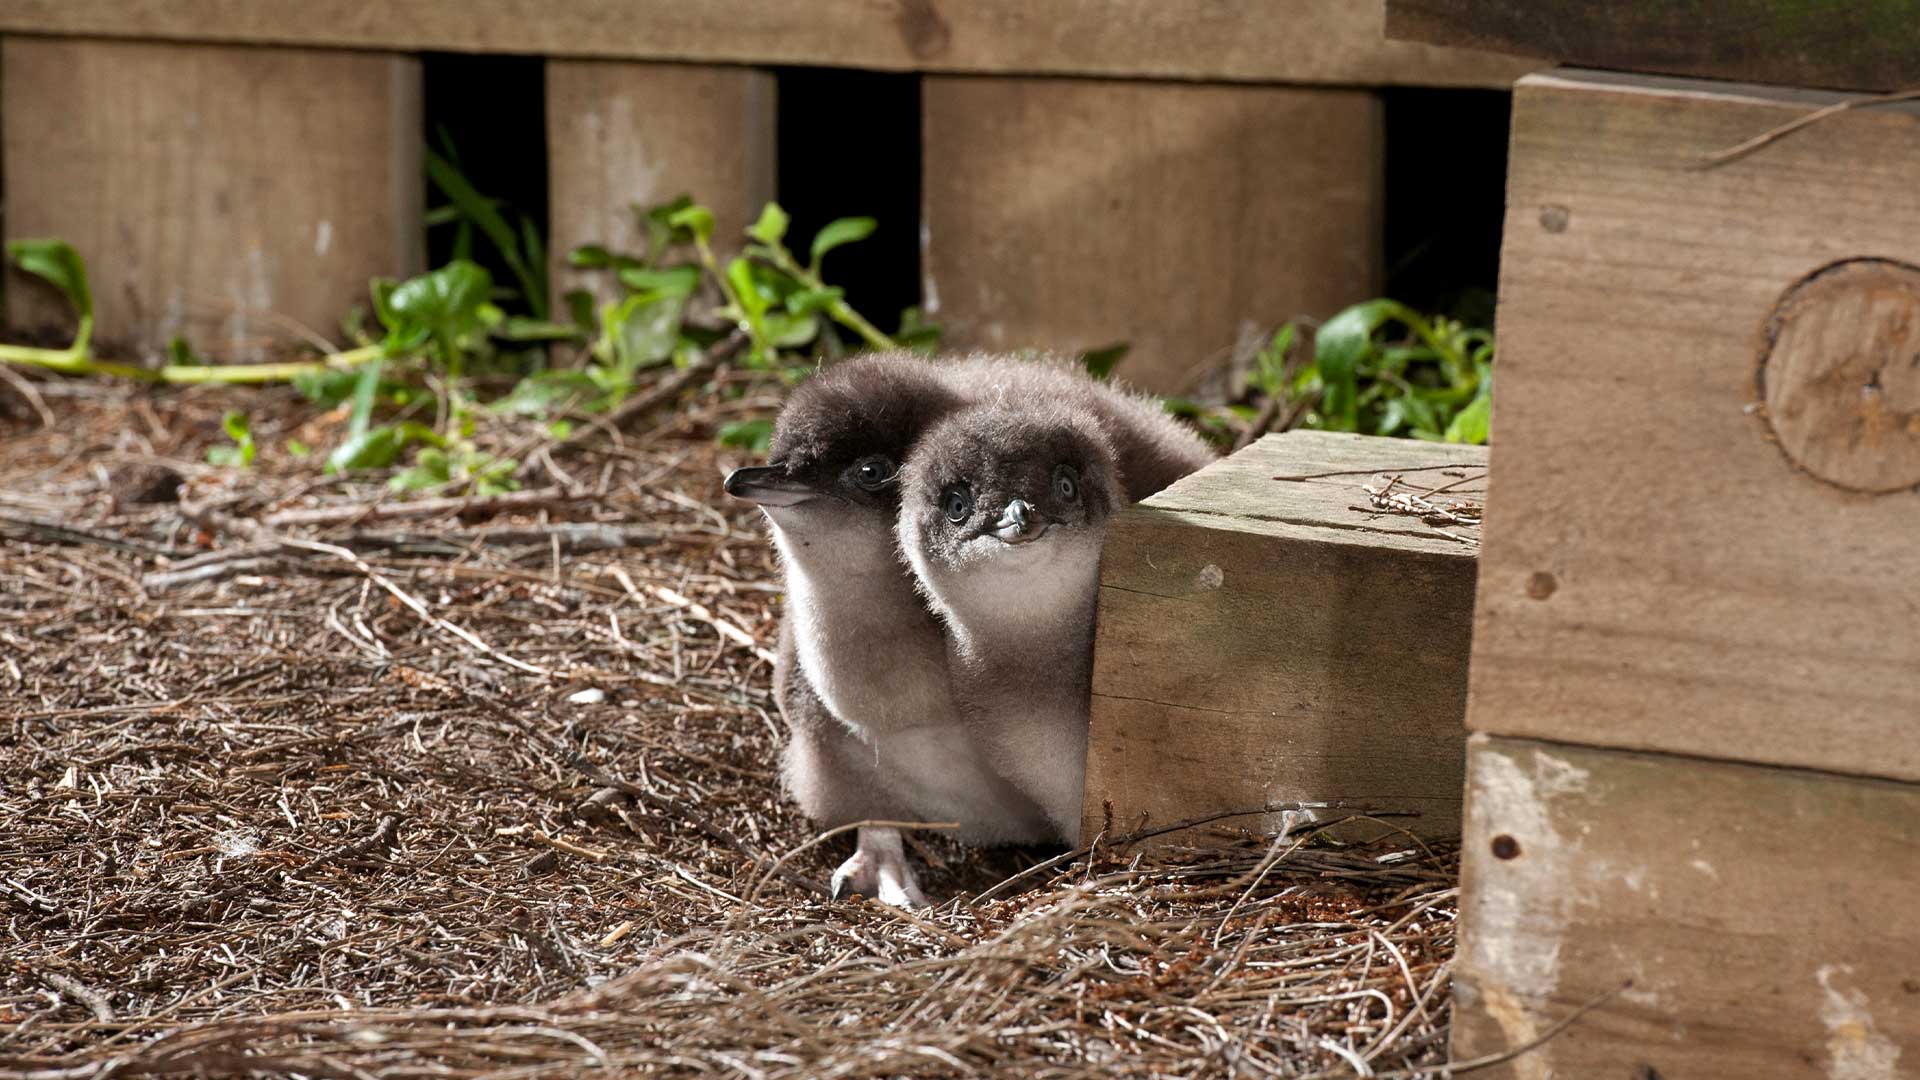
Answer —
(1378, 367)
(240, 454)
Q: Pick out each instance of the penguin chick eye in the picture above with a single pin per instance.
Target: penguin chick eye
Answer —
(873, 473)
(957, 502)
(1066, 484)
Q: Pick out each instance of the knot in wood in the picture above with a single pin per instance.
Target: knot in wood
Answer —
(1840, 374)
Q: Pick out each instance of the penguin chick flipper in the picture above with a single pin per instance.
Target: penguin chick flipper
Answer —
(879, 869)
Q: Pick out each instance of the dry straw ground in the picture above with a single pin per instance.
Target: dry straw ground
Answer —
(298, 780)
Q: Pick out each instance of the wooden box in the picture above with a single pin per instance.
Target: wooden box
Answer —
(1268, 636)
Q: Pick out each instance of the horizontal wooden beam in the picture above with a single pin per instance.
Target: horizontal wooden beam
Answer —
(1728, 922)
(1859, 45)
(1294, 41)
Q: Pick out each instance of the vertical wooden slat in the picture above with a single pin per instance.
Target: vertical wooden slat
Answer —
(1069, 214)
(207, 185)
(623, 135)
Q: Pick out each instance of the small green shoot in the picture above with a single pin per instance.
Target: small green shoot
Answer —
(240, 454)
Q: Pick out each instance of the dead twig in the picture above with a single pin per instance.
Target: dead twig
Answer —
(1775, 134)
(460, 506)
(80, 992)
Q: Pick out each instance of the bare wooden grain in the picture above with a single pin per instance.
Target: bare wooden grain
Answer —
(1068, 214)
(1297, 41)
(1861, 44)
(624, 135)
(1261, 641)
(1658, 573)
(208, 186)
(1764, 917)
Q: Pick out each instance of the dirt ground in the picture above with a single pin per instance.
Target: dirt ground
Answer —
(299, 778)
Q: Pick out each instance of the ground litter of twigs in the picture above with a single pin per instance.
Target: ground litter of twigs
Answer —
(297, 778)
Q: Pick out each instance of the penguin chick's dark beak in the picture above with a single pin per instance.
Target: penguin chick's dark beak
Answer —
(1019, 523)
(769, 485)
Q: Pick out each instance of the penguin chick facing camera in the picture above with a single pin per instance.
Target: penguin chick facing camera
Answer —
(861, 674)
(1003, 515)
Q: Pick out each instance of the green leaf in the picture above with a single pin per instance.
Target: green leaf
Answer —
(378, 447)
(790, 331)
(360, 418)
(638, 332)
(745, 287)
(752, 435)
(56, 262)
(452, 293)
(671, 281)
(449, 304)
(772, 226)
(239, 455)
(486, 216)
(1100, 362)
(1473, 423)
(548, 392)
(839, 232)
(694, 218)
(180, 353)
(297, 449)
(661, 232)
(809, 301)
(1343, 344)
(431, 468)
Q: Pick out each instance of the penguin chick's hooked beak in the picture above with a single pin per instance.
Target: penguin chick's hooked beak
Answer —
(1019, 523)
(769, 485)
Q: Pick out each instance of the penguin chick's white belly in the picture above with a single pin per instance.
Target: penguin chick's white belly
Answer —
(945, 775)
(872, 651)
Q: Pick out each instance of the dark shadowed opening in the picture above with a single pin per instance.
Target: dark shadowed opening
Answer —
(493, 111)
(1446, 173)
(849, 146)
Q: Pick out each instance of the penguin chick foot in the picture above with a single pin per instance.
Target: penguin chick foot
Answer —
(879, 869)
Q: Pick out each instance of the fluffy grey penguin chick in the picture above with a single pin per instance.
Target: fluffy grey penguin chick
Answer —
(1003, 515)
(862, 678)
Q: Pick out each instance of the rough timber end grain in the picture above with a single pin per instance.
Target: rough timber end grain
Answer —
(1268, 640)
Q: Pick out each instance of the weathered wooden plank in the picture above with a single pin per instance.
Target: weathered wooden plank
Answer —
(621, 135)
(1068, 214)
(1862, 44)
(1764, 917)
(208, 186)
(1296, 41)
(1693, 408)
(1263, 641)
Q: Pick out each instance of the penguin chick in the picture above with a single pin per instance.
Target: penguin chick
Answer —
(863, 679)
(1151, 449)
(1003, 514)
